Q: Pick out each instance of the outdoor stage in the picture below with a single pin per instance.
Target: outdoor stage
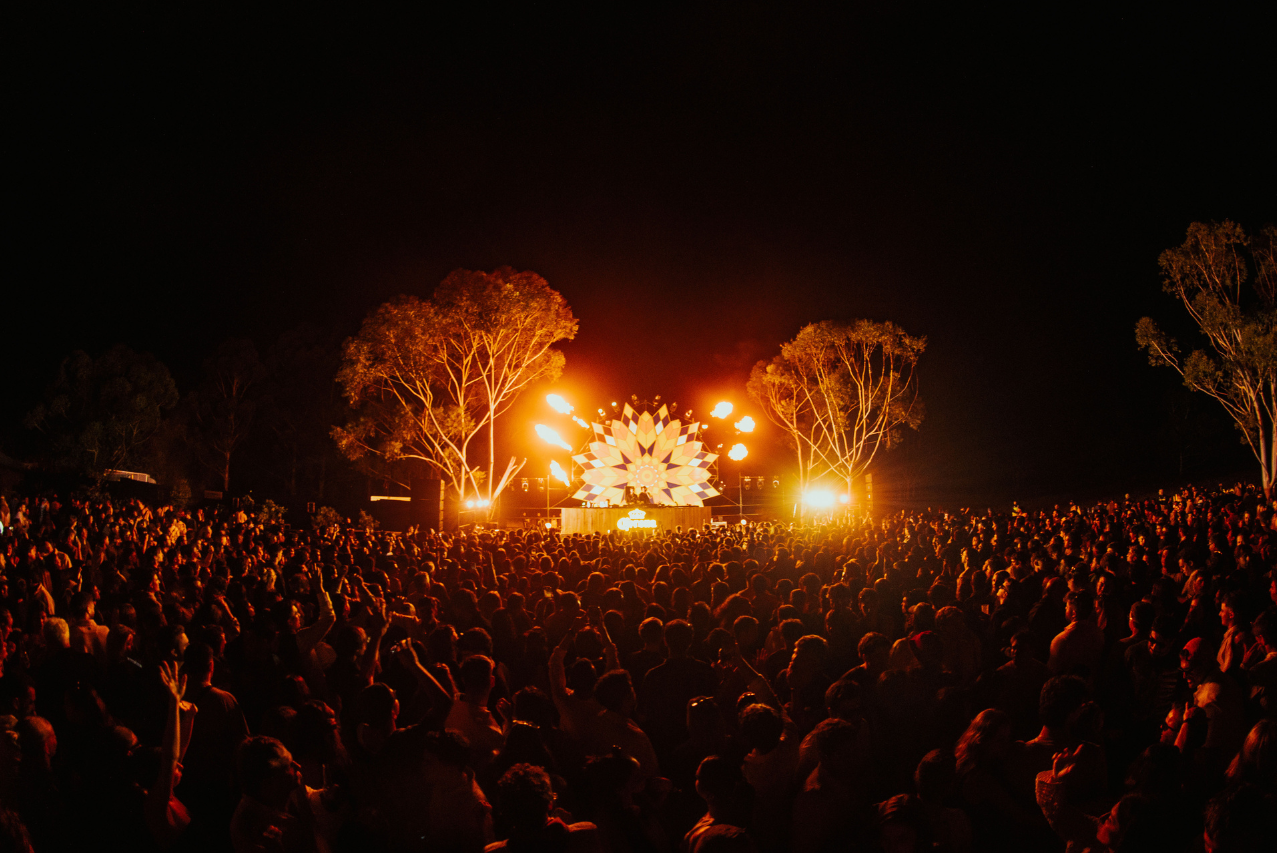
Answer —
(653, 519)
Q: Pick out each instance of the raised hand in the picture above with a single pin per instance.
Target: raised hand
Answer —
(1064, 762)
(173, 679)
(377, 619)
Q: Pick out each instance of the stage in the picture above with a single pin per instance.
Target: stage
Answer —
(647, 519)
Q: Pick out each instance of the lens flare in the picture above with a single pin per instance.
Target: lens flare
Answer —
(737, 453)
(745, 424)
(557, 472)
(722, 410)
(819, 499)
(559, 404)
(552, 437)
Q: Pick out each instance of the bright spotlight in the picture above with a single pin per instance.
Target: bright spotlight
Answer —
(737, 453)
(819, 499)
(469, 504)
(844, 499)
(579, 422)
(722, 410)
(559, 404)
(548, 525)
(482, 502)
(552, 437)
(745, 424)
(557, 472)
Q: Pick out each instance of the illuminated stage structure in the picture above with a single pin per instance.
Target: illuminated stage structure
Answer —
(652, 519)
(655, 457)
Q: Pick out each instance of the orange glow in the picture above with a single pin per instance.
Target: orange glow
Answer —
(552, 437)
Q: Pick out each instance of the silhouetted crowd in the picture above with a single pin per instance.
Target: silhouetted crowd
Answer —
(1098, 678)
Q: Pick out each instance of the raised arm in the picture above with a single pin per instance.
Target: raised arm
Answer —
(159, 818)
(558, 675)
(377, 625)
(309, 637)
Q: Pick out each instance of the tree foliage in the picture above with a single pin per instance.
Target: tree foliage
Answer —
(1228, 284)
(841, 392)
(427, 378)
(223, 406)
(101, 414)
(300, 402)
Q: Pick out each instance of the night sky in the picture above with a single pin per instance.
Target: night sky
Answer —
(698, 183)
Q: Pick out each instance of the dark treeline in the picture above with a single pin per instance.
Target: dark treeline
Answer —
(246, 421)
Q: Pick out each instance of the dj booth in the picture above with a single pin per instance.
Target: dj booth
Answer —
(647, 519)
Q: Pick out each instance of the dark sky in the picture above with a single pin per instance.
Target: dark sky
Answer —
(698, 182)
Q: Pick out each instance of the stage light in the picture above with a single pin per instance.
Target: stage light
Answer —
(844, 499)
(737, 453)
(469, 504)
(579, 422)
(819, 499)
(559, 404)
(552, 437)
(482, 502)
(557, 472)
(722, 410)
(745, 424)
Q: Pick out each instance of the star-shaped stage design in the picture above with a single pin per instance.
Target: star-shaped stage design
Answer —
(650, 453)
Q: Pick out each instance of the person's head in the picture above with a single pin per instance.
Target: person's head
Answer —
(266, 771)
(809, 654)
(525, 798)
(1060, 697)
(199, 663)
(1162, 637)
(1239, 821)
(82, 606)
(317, 733)
(719, 783)
(652, 633)
(532, 705)
(703, 717)
(836, 745)
(934, 777)
(349, 641)
(843, 699)
(1125, 823)
(1265, 629)
(1079, 604)
(679, 635)
(875, 651)
(1256, 763)
(760, 727)
(986, 742)
(1020, 646)
(615, 692)
(745, 631)
(37, 741)
(1197, 662)
(581, 677)
(476, 676)
(902, 825)
(57, 634)
(1141, 617)
(377, 707)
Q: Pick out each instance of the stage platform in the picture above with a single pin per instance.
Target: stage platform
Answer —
(647, 519)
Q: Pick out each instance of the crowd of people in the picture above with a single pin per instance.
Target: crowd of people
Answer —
(1098, 678)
